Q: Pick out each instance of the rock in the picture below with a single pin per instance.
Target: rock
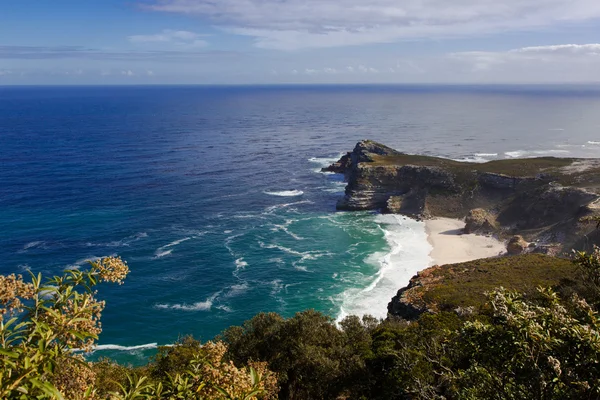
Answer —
(516, 245)
(341, 166)
(411, 204)
(530, 196)
(480, 221)
(408, 303)
(551, 249)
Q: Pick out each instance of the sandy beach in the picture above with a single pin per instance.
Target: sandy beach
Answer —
(451, 246)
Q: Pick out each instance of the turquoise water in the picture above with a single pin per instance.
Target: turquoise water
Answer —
(215, 197)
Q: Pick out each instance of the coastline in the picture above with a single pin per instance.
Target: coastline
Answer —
(451, 246)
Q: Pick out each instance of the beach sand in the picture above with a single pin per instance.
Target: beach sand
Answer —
(451, 246)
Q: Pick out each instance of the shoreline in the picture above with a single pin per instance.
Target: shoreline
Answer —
(451, 246)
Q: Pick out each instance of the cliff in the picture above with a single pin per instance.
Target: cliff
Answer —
(461, 287)
(541, 199)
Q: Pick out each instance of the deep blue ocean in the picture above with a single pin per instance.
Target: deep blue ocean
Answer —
(214, 196)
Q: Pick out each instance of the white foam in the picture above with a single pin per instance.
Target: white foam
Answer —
(160, 254)
(126, 242)
(408, 254)
(285, 205)
(325, 161)
(533, 153)
(593, 142)
(285, 193)
(163, 252)
(284, 228)
(240, 264)
(101, 347)
(82, 261)
(307, 255)
(199, 306)
(32, 245)
(478, 158)
(236, 290)
(176, 242)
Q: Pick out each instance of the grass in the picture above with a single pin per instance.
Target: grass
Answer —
(464, 285)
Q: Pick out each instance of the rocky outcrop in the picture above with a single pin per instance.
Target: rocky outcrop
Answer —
(462, 287)
(516, 245)
(535, 198)
(408, 302)
(341, 166)
(480, 221)
(370, 187)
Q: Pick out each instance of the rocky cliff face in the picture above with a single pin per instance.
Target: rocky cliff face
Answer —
(540, 198)
(538, 202)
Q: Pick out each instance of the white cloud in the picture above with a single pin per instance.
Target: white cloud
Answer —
(172, 37)
(294, 24)
(364, 69)
(127, 72)
(5, 72)
(580, 49)
(554, 63)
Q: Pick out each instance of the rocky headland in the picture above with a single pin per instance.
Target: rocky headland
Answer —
(535, 204)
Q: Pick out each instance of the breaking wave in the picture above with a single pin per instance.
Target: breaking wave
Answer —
(285, 193)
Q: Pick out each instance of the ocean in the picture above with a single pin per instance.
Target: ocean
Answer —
(215, 198)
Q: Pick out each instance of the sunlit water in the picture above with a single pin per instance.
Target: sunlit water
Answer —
(214, 195)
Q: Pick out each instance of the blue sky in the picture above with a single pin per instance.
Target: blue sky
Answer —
(299, 41)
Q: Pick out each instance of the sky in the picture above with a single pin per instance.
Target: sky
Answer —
(298, 41)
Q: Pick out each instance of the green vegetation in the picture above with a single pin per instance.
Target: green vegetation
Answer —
(520, 343)
(465, 285)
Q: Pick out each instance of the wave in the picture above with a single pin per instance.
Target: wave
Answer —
(101, 347)
(593, 142)
(82, 261)
(176, 242)
(126, 242)
(284, 228)
(324, 162)
(407, 253)
(285, 193)
(199, 306)
(307, 255)
(236, 290)
(478, 158)
(33, 245)
(270, 209)
(533, 153)
(161, 254)
(165, 250)
(240, 263)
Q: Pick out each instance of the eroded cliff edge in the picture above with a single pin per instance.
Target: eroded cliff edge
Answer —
(541, 199)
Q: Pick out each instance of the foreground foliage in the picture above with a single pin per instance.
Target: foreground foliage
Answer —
(542, 344)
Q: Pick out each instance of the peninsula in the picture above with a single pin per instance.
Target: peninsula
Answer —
(534, 205)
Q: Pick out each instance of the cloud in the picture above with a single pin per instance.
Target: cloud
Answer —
(565, 62)
(172, 37)
(295, 24)
(61, 52)
(567, 49)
